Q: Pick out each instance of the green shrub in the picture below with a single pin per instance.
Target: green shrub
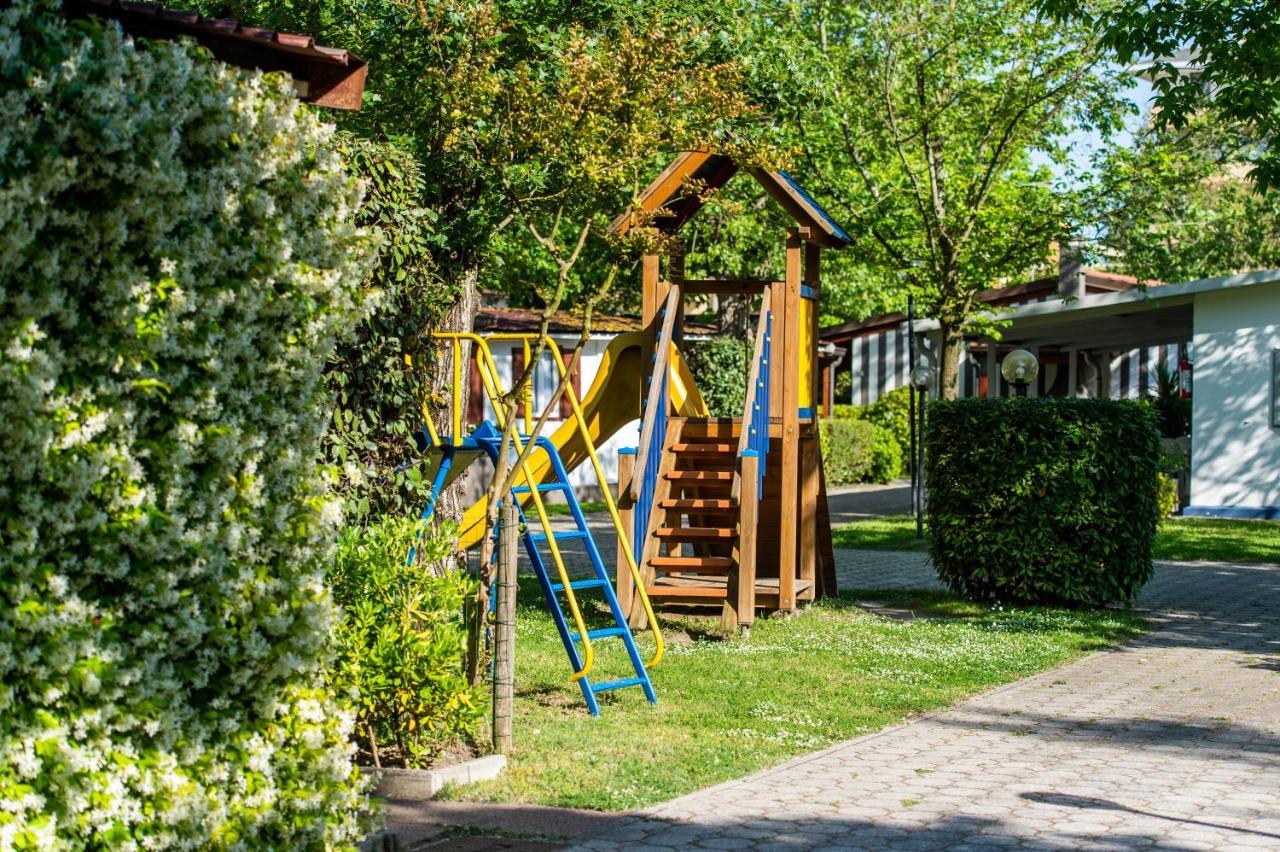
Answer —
(887, 456)
(720, 366)
(1173, 410)
(1042, 500)
(177, 257)
(400, 645)
(891, 414)
(846, 449)
(1167, 501)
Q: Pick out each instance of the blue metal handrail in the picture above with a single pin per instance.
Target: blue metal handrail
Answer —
(755, 417)
(760, 414)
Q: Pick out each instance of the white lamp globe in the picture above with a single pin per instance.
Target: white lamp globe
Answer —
(1020, 367)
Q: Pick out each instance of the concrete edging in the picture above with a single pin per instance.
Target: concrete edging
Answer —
(426, 783)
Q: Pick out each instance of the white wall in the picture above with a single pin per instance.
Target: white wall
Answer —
(545, 379)
(1235, 451)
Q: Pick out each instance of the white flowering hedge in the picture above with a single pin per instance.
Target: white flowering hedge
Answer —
(176, 259)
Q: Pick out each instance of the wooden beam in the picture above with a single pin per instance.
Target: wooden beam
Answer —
(733, 287)
(740, 605)
(809, 511)
(789, 538)
(827, 583)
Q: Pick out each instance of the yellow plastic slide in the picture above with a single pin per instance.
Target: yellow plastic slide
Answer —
(612, 402)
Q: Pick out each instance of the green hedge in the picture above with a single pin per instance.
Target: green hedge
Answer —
(846, 450)
(720, 366)
(1042, 500)
(400, 646)
(891, 414)
(177, 258)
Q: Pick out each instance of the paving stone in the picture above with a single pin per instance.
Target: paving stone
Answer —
(1172, 741)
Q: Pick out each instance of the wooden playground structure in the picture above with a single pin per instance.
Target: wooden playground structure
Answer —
(733, 511)
(727, 512)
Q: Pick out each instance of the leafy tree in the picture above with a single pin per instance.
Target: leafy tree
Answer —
(922, 128)
(381, 377)
(1177, 206)
(1234, 43)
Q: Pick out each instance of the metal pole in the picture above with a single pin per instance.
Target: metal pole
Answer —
(504, 628)
(919, 506)
(913, 403)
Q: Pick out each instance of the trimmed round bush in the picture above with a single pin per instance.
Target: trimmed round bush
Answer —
(176, 261)
(1042, 500)
(846, 449)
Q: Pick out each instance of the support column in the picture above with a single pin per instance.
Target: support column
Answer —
(788, 522)
(993, 369)
(1073, 373)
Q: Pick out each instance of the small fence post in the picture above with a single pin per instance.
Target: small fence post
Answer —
(504, 628)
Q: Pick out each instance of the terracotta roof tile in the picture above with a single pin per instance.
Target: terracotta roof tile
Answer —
(327, 76)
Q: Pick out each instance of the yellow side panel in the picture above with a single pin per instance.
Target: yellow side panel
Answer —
(807, 307)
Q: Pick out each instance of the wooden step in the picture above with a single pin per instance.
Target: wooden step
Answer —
(709, 449)
(692, 564)
(699, 504)
(700, 475)
(694, 533)
(706, 589)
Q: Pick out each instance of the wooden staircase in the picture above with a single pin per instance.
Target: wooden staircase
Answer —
(693, 552)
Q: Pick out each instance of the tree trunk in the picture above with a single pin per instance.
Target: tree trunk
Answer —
(952, 346)
(735, 315)
(461, 317)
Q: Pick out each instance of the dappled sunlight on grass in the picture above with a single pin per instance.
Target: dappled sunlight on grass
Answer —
(728, 707)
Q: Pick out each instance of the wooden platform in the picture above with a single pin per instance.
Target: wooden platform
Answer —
(709, 590)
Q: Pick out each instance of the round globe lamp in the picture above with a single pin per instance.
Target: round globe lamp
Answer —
(1020, 368)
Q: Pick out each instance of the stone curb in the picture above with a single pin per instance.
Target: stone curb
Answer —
(426, 783)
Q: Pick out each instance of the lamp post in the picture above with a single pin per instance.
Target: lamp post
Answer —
(920, 378)
(1020, 369)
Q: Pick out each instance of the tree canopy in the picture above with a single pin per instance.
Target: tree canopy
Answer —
(931, 133)
(1232, 46)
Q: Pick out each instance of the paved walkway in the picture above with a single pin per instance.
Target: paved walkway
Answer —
(1170, 742)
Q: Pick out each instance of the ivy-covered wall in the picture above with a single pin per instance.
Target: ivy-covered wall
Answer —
(177, 258)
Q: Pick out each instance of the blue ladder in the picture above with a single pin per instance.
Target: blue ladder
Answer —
(487, 437)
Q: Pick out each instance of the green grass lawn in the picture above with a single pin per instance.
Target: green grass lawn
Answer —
(730, 707)
(1189, 539)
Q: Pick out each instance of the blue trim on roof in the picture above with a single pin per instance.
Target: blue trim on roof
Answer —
(836, 230)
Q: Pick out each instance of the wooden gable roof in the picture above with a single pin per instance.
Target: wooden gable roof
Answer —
(673, 207)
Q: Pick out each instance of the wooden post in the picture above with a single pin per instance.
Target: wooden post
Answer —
(809, 510)
(1073, 373)
(625, 583)
(827, 584)
(504, 628)
(788, 526)
(739, 611)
